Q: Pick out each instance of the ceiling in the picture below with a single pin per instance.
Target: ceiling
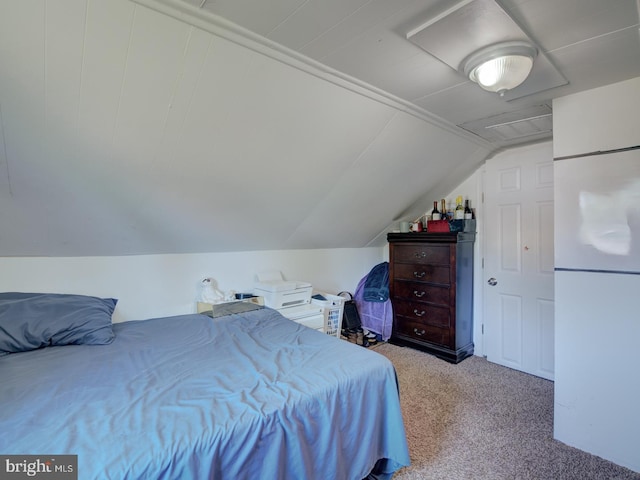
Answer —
(590, 42)
(180, 126)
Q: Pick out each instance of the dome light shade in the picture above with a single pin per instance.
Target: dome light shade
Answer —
(500, 67)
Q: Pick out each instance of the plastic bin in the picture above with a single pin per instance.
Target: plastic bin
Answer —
(333, 307)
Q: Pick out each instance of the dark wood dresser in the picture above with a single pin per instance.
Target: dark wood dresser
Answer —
(431, 290)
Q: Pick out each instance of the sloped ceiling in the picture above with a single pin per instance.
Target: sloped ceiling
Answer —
(158, 126)
(126, 131)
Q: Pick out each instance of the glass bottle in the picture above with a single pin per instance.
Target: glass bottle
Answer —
(435, 213)
(468, 214)
(458, 213)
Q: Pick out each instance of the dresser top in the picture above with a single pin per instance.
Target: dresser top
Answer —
(434, 237)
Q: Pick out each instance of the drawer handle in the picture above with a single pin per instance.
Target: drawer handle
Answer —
(419, 332)
(418, 294)
(418, 314)
(418, 275)
(420, 255)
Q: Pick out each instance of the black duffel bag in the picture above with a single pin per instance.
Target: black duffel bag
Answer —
(350, 317)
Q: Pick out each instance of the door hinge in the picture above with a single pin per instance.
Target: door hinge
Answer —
(482, 262)
(482, 197)
(483, 329)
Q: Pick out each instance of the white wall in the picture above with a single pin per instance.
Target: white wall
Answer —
(597, 383)
(604, 118)
(150, 286)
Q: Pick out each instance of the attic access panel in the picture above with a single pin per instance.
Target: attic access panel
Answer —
(471, 25)
(528, 124)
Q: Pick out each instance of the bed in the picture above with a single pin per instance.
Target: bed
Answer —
(244, 396)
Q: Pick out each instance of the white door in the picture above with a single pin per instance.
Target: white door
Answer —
(518, 260)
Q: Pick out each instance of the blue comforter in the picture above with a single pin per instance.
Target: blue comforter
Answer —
(246, 396)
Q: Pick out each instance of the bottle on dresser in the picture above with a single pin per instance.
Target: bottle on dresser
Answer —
(443, 210)
(435, 213)
(458, 213)
(468, 213)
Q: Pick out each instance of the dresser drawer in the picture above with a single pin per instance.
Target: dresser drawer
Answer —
(422, 292)
(422, 313)
(422, 254)
(425, 333)
(422, 273)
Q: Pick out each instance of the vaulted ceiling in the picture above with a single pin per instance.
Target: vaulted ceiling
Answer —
(162, 126)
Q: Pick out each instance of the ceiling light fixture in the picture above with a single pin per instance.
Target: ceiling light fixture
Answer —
(500, 67)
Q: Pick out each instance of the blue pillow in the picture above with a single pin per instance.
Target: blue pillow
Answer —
(35, 320)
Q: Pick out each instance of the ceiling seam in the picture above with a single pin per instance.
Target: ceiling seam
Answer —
(395, 13)
(178, 82)
(45, 122)
(353, 164)
(180, 136)
(344, 19)
(4, 148)
(374, 138)
(296, 10)
(81, 80)
(440, 91)
(603, 35)
(124, 76)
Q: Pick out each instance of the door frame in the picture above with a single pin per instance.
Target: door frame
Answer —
(483, 291)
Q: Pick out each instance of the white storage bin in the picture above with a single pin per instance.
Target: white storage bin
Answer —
(333, 308)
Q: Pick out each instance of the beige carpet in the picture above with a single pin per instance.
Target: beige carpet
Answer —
(478, 420)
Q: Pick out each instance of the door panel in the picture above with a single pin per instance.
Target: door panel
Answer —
(509, 227)
(511, 326)
(519, 260)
